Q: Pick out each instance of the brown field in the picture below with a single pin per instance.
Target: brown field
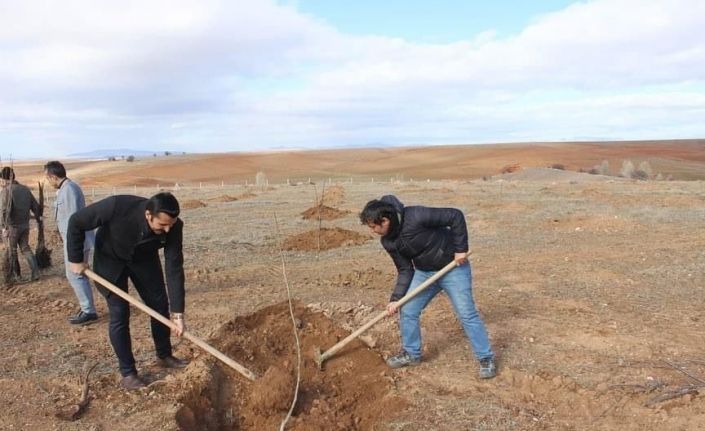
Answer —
(591, 288)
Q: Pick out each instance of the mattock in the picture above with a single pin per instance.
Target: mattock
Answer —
(187, 335)
(321, 357)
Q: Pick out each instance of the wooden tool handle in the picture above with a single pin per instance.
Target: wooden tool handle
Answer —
(192, 338)
(333, 350)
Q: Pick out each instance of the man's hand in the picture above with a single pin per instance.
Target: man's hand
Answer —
(78, 268)
(178, 320)
(461, 258)
(392, 308)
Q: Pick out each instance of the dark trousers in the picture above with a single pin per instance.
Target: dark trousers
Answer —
(148, 279)
(18, 237)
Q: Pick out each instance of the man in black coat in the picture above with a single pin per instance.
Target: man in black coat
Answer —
(131, 230)
(421, 241)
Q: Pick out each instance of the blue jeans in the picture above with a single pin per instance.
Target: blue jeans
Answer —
(81, 286)
(458, 286)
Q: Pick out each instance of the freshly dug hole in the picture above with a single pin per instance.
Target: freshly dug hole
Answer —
(354, 392)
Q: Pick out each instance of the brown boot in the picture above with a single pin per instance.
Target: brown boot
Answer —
(132, 382)
(172, 362)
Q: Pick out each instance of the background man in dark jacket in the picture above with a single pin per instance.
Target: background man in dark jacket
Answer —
(16, 202)
(421, 241)
(131, 230)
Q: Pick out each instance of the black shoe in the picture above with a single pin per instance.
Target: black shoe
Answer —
(83, 318)
(488, 369)
(402, 359)
(172, 362)
(132, 382)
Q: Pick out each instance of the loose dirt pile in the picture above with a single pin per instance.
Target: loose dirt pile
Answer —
(326, 213)
(352, 393)
(334, 195)
(223, 198)
(328, 238)
(190, 204)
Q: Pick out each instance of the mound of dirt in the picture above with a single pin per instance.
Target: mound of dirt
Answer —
(352, 393)
(223, 198)
(190, 204)
(328, 238)
(326, 213)
(334, 195)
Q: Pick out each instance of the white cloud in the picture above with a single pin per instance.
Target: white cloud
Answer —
(224, 73)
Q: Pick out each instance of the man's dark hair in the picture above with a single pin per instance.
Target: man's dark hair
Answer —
(56, 169)
(376, 210)
(163, 202)
(7, 173)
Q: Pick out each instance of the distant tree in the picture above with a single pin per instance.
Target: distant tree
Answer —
(111, 159)
(130, 158)
(261, 179)
(167, 153)
(604, 168)
(154, 155)
(627, 169)
(646, 168)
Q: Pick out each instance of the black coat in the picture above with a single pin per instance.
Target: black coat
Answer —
(426, 239)
(124, 240)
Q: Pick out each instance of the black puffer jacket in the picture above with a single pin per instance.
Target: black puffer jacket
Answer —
(426, 239)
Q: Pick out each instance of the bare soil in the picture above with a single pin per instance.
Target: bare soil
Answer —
(323, 212)
(591, 290)
(324, 239)
(351, 393)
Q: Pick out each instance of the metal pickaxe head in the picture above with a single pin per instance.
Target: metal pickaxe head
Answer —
(318, 357)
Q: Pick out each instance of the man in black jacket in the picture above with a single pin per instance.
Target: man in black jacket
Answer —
(421, 241)
(131, 230)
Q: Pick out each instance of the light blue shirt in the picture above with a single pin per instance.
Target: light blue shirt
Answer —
(69, 199)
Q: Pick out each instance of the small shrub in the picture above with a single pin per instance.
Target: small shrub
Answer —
(627, 169)
(646, 168)
(604, 168)
(111, 159)
(558, 166)
(130, 159)
(640, 175)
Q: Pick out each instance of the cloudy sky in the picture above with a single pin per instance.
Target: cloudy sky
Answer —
(212, 75)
